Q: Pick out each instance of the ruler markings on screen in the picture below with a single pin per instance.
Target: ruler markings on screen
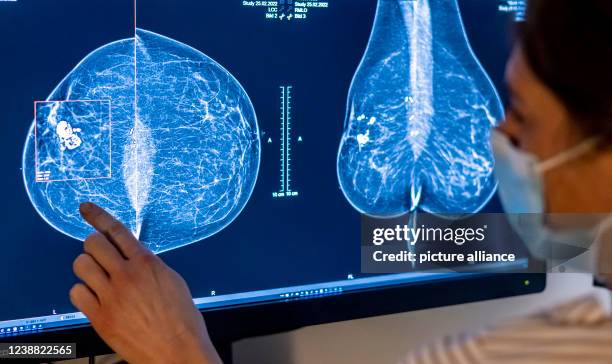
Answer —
(286, 104)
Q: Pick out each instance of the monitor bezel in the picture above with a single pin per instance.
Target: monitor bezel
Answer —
(230, 324)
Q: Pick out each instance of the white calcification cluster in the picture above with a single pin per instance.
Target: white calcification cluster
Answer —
(185, 144)
(68, 148)
(420, 112)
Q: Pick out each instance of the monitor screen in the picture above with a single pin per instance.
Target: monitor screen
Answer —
(218, 136)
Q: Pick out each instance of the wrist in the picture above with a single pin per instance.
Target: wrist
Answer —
(189, 348)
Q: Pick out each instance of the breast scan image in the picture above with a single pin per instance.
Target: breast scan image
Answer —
(420, 112)
(151, 129)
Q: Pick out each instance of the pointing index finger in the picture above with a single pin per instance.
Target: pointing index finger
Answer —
(114, 230)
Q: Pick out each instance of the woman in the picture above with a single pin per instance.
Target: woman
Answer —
(554, 165)
(553, 155)
(553, 152)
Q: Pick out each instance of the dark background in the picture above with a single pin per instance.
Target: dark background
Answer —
(274, 242)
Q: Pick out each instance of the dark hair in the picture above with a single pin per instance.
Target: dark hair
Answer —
(568, 44)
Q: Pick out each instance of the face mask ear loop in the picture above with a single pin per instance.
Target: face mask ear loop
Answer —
(605, 225)
(568, 155)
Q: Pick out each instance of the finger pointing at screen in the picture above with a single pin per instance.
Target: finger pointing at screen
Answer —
(137, 304)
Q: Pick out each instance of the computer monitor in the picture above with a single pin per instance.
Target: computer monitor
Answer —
(216, 138)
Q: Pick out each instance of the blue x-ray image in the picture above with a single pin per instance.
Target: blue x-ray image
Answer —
(420, 111)
(72, 140)
(154, 131)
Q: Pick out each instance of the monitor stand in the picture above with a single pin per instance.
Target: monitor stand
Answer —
(224, 348)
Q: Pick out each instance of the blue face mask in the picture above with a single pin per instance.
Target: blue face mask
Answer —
(521, 191)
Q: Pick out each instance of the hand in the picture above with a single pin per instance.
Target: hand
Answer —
(139, 306)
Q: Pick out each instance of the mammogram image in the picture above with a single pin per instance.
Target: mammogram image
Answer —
(420, 112)
(72, 140)
(156, 132)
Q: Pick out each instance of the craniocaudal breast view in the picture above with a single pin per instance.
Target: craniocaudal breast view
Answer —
(154, 131)
(420, 112)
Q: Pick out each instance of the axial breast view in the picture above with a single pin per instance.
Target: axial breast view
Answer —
(419, 116)
(154, 131)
